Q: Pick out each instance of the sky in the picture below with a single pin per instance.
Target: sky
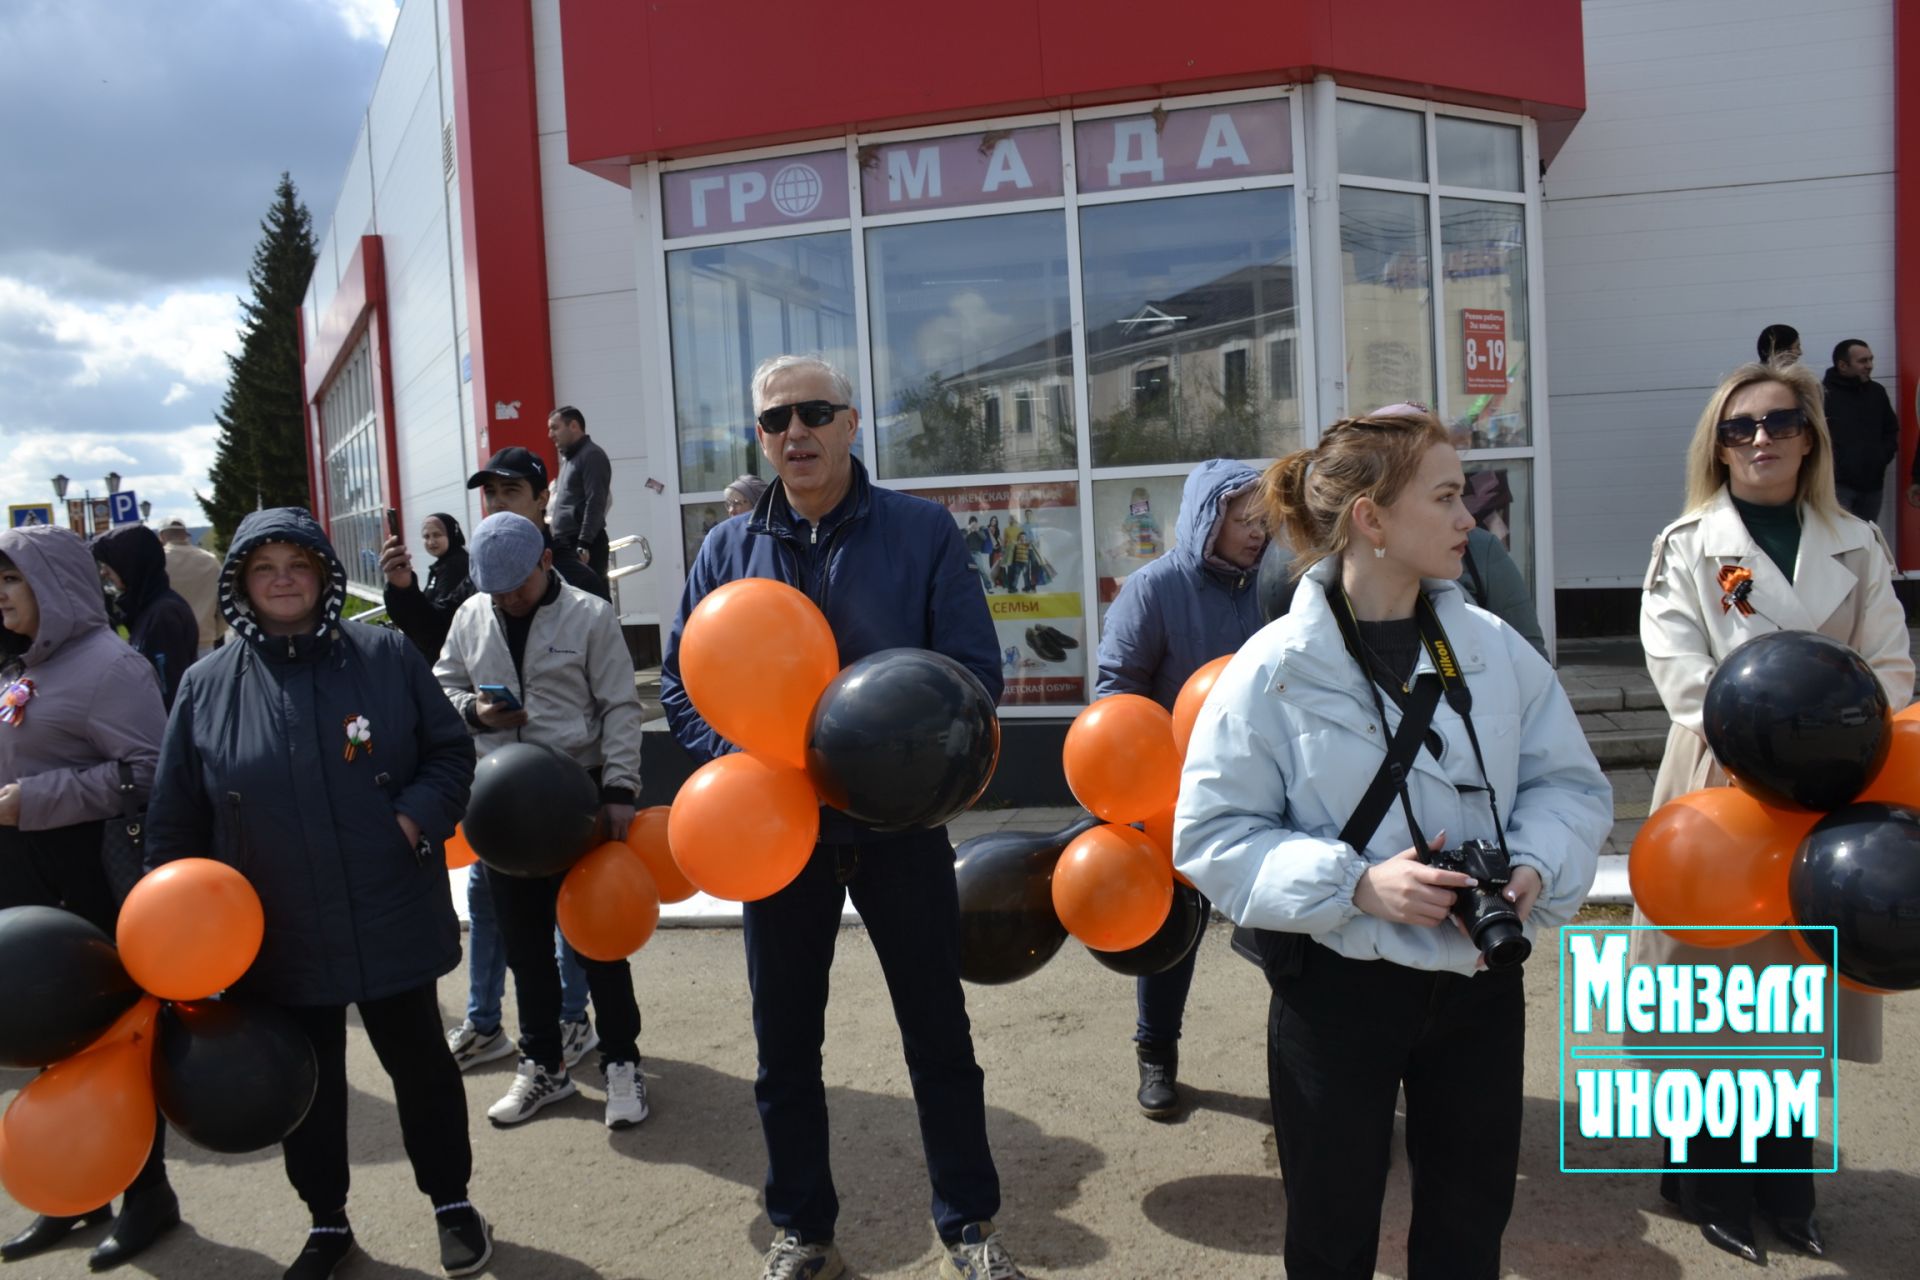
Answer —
(141, 146)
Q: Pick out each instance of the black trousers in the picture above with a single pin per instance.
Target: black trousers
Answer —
(1342, 1038)
(598, 552)
(524, 908)
(62, 868)
(427, 1092)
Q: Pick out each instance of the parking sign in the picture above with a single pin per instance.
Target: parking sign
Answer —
(123, 507)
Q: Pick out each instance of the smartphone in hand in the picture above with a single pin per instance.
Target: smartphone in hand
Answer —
(500, 696)
(393, 523)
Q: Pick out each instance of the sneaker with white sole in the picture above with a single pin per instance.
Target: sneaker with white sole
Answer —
(533, 1087)
(626, 1095)
(577, 1040)
(471, 1047)
(979, 1255)
(789, 1259)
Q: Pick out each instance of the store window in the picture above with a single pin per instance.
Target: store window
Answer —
(1175, 291)
(1388, 296)
(356, 502)
(732, 306)
(1134, 523)
(1483, 249)
(1477, 153)
(962, 312)
(1382, 142)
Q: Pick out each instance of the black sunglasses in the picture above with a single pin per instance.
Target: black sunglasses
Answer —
(1781, 424)
(813, 413)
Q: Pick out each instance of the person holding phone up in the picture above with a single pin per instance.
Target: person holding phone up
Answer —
(531, 659)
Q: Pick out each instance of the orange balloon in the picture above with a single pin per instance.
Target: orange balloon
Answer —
(742, 827)
(78, 1134)
(1159, 829)
(1193, 696)
(1909, 712)
(648, 838)
(1120, 759)
(608, 907)
(1898, 781)
(190, 928)
(755, 656)
(459, 852)
(1112, 888)
(134, 1027)
(1716, 857)
(1811, 956)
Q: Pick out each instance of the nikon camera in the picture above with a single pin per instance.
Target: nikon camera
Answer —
(1490, 919)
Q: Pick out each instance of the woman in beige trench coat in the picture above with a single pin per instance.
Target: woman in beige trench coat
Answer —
(1760, 497)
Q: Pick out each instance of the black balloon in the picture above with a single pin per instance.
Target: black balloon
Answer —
(1171, 943)
(1798, 720)
(1859, 871)
(1008, 928)
(233, 1075)
(532, 810)
(61, 985)
(903, 738)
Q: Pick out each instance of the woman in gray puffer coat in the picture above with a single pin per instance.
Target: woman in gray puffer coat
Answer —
(80, 704)
(320, 758)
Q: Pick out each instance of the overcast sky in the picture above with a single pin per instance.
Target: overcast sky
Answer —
(140, 145)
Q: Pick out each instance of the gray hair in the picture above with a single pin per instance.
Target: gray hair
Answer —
(773, 366)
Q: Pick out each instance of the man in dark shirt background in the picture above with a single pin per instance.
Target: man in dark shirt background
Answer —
(1864, 427)
(579, 512)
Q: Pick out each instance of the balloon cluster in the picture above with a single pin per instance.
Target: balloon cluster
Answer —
(1822, 826)
(1107, 882)
(124, 1029)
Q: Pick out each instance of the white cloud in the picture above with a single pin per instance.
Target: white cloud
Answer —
(164, 471)
(367, 19)
(187, 333)
(175, 394)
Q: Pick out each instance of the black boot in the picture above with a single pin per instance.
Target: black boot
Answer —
(1802, 1233)
(1159, 1072)
(145, 1216)
(45, 1232)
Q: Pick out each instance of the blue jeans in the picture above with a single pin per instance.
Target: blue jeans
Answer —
(904, 892)
(487, 964)
(1162, 1000)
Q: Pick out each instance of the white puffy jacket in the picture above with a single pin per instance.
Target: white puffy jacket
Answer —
(1290, 740)
(577, 682)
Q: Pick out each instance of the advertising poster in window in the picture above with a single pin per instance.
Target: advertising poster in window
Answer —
(1024, 541)
(1133, 525)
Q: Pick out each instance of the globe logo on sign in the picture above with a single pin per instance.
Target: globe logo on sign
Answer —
(796, 190)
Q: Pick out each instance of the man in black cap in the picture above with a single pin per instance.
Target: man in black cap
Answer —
(515, 480)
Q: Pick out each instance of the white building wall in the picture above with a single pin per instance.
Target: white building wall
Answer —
(1734, 169)
(594, 311)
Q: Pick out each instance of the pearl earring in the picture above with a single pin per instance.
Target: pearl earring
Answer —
(1379, 553)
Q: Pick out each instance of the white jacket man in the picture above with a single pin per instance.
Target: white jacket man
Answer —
(1293, 740)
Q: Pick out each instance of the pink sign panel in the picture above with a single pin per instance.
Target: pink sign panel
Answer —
(782, 191)
(1197, 144)
(968, 169)
(1484, 350)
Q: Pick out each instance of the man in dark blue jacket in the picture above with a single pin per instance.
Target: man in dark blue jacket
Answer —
(889, 571)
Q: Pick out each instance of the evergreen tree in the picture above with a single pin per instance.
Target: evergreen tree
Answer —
(261, 459)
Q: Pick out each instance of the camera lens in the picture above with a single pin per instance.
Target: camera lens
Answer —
(1494, 928)
(1504, 946)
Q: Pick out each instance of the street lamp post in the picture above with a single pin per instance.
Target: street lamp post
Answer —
(146, 509)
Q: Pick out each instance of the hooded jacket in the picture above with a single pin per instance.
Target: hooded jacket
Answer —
(159, 623)
(95, 702)
(423, 614)
(1187, 608)
(889, 571)
(1864, 428)
(1290, 739)
(256, 773)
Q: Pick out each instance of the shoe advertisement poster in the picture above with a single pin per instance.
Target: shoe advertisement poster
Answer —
(1133, 525)
(1024, 541)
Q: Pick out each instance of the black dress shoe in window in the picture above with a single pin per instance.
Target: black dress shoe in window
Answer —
(1802, 1233)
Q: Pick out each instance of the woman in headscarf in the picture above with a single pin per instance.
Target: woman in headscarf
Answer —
(159, 622)
(320, 759)
(423, 616)
(80, 705)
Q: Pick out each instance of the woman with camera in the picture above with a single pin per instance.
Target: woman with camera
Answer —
(1763, 546)
(1383, 727)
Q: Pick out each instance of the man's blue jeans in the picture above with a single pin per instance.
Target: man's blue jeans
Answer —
(487, 964)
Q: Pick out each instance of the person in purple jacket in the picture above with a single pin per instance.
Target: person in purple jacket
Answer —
(888, 571)
(78, 704)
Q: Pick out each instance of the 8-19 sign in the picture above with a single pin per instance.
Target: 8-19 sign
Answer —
(1484, 335)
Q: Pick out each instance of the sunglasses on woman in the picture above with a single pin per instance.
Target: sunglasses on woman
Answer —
(1781, 424)
(813, 413)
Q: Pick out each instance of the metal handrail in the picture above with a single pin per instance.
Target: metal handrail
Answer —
(617, 571)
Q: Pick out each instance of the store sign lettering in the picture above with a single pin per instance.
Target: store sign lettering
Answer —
(756, 193)
(1200, 144)
(967, 169)
(1484, 350)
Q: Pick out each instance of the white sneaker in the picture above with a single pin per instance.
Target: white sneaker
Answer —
(470, 1048)
(532, 1089)
(577, 1040)
(626, 1095)
(791, 1260)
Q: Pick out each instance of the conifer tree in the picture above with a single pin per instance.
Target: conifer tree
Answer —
(260, 460)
